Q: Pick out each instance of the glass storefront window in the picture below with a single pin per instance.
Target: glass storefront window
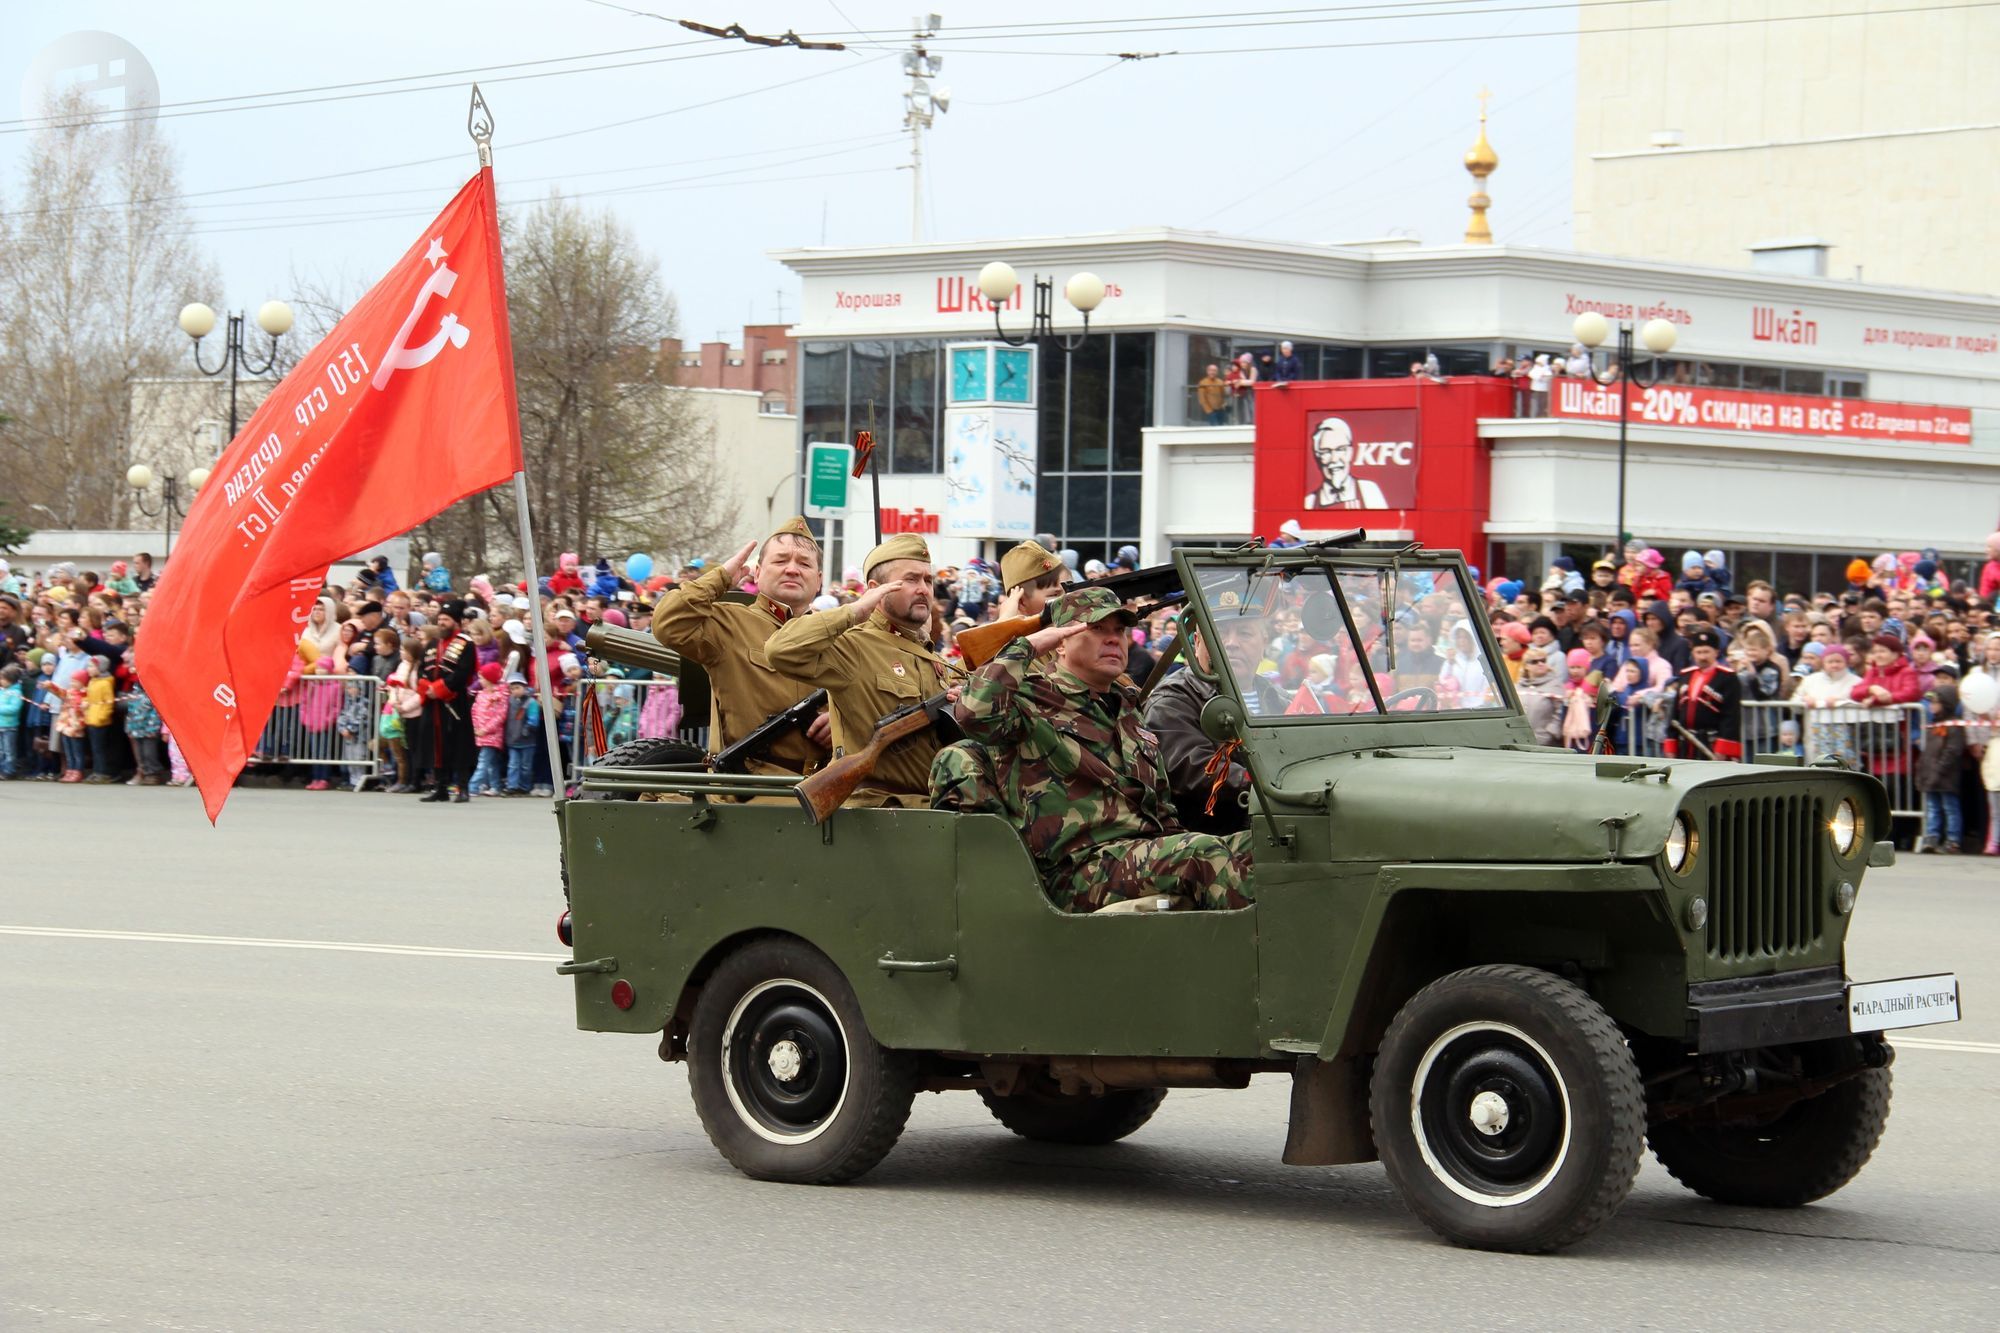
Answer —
(915, 442)
(823, 392)
(1088, 508)
(1125, 507)
(1131, 397)
(1764, 379)
(1051, 399)
(868, 401)
(1089, 405)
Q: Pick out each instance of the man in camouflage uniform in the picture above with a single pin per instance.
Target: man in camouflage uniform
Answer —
(1084, 777)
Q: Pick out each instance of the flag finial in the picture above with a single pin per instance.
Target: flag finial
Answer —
(479, 124)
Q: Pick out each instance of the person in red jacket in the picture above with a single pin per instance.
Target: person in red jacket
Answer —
(1654, 584)
(1890, 679)
(565, 579)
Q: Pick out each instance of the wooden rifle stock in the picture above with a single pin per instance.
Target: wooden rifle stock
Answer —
(982, 643)
(825, 791)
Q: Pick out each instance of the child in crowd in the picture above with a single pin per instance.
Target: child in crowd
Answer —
(319, 709)
(142, 729)
(356, 722)
(437, 578)
(1579, 721)
(13, 702)
(489, 731)
(70, 727)
(1939, 764)
(524, 717)
(44, 704)
(100, 705)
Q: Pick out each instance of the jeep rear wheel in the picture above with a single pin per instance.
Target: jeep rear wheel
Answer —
(1805, 1152)
(1049, 1116)
(1507, 1110)
(786, 1077)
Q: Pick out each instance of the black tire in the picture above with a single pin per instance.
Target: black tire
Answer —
(1806, 1152)
(1048, 1116)
(821, 1113)
(646, 752)
(1508, 1110)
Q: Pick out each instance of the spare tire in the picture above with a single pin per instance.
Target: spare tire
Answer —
(646, 752)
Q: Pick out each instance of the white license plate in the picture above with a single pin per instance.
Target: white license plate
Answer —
(1907, 1002)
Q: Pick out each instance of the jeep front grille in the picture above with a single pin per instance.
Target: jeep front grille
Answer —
(1763, 860)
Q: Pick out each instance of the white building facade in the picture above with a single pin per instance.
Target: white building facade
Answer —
(1126, 453)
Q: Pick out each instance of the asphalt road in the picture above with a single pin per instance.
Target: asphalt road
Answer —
(203, 1135)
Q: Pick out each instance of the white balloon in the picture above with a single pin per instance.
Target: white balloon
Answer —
(1980, 694)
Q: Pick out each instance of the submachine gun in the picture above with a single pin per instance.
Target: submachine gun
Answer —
(631, 648)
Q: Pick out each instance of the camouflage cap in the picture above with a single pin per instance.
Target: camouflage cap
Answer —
(1087, 606)
(1025, 563)
(795, 527)
(906, 546)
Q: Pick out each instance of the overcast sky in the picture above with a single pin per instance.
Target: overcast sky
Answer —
(1358, 138)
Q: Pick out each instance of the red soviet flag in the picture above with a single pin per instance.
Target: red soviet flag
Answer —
(406, 407)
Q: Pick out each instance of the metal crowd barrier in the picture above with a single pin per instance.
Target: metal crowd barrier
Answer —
(1881, 741)
(305, 726)
(631, 710)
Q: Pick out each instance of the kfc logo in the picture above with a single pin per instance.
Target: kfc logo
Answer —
(1362, 460)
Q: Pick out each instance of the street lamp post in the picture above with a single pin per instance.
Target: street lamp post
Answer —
(1658, 335)
(141, 478)
(998, 283)
(274, 317)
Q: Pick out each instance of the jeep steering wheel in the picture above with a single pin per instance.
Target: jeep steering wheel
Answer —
(1426, 697)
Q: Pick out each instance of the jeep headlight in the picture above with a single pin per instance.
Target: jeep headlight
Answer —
(1682, 843)
(1846, 827)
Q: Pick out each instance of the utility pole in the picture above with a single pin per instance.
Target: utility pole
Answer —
(921, 104)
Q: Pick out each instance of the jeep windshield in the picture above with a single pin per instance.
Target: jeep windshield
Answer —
(1312, 642)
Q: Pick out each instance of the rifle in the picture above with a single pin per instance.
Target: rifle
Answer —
(981, 643)
(734, 758)
(826, 791)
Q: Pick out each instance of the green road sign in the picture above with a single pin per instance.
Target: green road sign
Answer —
(827, 469)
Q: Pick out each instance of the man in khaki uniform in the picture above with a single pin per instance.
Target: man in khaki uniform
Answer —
(873, 657)
(728, 639)
(1031, 575)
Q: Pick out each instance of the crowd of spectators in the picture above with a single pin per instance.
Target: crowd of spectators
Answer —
(74, 708)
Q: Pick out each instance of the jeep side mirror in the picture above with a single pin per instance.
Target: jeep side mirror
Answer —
(1222, 719)
(1320, 617)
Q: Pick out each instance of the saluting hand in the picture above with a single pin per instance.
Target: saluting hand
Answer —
(864, 606)
(1043, 640)
(733, 566)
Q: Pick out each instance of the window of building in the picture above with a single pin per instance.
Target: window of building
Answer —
(1764, 379)
(823, 392)
(914, 444)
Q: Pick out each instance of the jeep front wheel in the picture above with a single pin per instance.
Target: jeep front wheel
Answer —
(1508, 1110)
(786, 1077)
(1050, 1116)
(1803, 1153)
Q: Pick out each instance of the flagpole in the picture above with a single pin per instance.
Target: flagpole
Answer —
(479, 124)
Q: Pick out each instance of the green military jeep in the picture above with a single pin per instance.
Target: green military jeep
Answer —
(1497, 967)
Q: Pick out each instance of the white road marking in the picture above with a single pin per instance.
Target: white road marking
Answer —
(1940, 1044)
(245, 942)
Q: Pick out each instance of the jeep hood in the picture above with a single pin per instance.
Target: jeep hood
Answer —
(1443, 803)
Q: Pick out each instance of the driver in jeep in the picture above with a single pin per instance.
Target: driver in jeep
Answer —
(1070, 755)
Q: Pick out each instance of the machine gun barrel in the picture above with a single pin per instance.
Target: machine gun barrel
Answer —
(631, 648)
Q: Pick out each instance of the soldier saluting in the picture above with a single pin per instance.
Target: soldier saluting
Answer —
(445, 684)
(1071, 756)
(873, 657)
(728, 639)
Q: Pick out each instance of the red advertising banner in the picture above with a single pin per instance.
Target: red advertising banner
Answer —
(1765, 413)
(1360, 459)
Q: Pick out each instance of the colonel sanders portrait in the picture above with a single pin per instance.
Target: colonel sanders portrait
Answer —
(1339, 488)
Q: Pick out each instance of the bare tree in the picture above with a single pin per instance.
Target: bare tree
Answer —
(95, 261)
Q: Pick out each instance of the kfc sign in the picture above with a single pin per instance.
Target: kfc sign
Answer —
(1361, 460)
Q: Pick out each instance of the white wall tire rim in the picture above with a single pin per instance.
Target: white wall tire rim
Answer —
(744, 1113)
(1443, 1174)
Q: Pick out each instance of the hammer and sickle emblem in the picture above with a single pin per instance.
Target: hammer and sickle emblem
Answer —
(402, 356)
(225, 696)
